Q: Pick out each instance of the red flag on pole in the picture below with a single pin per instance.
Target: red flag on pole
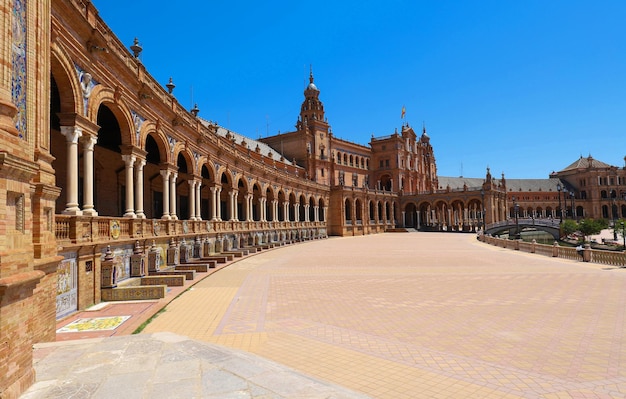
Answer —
(403, 112)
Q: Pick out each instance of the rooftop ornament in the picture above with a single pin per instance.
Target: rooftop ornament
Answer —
(136, 48)
(194, 111)
(170, 86)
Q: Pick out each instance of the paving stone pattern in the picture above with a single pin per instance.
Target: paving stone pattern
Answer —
(404, 315)
(422, 315)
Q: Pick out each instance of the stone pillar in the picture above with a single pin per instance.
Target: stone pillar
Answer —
(154, 259)
(214, 203)
(316, 213)
(275, 210)
(166, 194)
(72, 134)
(173, 196)
(129, 160)
(139, 188)
(173, 254)
(296, 212)
(138, 262)
(198, 248)
(249, 206)
(108, 271)
(192, 199)
(218, 203)
(184, 252)
(232, 199)
(306, 213)
(198, 201)
(88, 175)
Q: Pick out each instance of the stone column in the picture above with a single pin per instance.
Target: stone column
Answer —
(88, 144)
(218, 203)
(232, 199)
(173, 196)
(192, 199)
(249, 206)
(296, 212)
(166, 194)
(214, 203)
(139, 188)
(306, 213)
(198, 200)
(72, 134)
(263, 209)
(129, 160)
(274, 210)
(316, 213)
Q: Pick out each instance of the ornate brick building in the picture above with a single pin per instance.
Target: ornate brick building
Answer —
(100, 166)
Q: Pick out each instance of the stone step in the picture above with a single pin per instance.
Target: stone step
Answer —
(197, 261)
(189, 274)
(169, 280)
(198, 267)
(219, 258)
(133, 292)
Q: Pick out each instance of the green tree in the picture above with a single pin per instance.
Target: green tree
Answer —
(590, 227)
(569, 226)
(620, 229)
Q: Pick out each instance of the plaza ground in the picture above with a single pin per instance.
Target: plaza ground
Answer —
(418, 315)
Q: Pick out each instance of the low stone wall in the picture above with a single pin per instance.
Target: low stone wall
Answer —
(613, 258)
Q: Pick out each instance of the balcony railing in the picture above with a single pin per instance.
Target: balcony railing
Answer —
(81, 230)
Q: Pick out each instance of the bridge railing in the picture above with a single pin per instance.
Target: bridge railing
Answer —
(525, 222)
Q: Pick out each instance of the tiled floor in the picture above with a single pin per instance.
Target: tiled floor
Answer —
(420, 315)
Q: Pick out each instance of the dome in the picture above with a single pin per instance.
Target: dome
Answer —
(312, 86)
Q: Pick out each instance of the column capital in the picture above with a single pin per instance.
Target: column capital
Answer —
(89, 141)
(71, 133)
(129, 159)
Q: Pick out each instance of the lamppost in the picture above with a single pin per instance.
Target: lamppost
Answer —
(482, 194)
(516, 210)
(559, 210)
(573, 199)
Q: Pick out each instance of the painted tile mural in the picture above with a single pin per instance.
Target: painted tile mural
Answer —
(18, 50)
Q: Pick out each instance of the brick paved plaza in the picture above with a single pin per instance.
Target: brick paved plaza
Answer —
(419, 315)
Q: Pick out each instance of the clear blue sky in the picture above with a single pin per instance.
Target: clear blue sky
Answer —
(525, 87)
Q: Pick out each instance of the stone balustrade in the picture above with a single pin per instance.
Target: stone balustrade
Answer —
(612, 258)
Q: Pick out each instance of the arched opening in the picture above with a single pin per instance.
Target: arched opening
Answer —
(206, 197)
(410, 216)
(321, 210)
(312, 209)
(348, 210)
(256, 202)
(281, 206)
(226, 212)
(182, 188)
(269, 205)
(358, 211)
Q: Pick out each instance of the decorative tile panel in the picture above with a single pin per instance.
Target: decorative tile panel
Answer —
(18, 63)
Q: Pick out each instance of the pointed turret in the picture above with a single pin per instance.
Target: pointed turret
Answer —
(312, 108)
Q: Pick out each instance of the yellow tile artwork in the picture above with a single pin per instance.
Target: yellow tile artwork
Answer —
(94, 324)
